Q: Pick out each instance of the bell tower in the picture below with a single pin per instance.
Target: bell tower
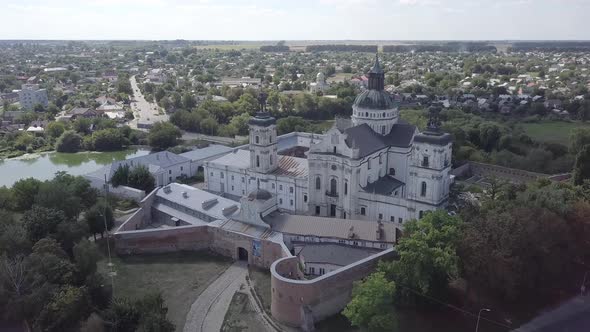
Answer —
(263, 139)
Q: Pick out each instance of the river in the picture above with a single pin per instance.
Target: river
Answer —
(45, 165)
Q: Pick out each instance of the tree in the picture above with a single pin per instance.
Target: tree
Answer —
(95, 218)
(141, 178)
(107, 140)
(41, 222)
(69, 141)
(68, 307)
(55, 129)
(86, 255)
(188, 102)
(582, 166)
(163, 135)
(160, 93)
(371, 306)
(209, 126)
(579, 137)
(120, 176)
(427, 256)
(24, 192)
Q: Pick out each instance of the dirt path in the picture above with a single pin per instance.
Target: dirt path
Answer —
(208, 311)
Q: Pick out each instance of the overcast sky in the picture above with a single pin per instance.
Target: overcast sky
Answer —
(295, 19)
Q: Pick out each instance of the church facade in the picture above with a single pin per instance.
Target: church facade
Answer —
(370, 167)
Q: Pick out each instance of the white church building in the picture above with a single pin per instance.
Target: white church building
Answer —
(370, 167)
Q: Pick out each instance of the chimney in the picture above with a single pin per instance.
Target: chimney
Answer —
(184, 194)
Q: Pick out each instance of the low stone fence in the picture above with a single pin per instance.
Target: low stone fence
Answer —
(298, 302)
(514, 175)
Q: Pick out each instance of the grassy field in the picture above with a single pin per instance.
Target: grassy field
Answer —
(261, 281)
(552, 131)
(181, 277)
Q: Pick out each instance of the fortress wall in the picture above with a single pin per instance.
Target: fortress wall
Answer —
(300, 303)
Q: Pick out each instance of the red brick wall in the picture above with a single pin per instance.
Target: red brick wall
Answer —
(299, 303)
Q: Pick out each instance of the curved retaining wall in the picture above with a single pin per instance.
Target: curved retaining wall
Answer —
(298, 302)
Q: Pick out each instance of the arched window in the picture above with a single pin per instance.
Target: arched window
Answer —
(270, 139)
(367, 114)
(392, 171)
(423, 189)
(425, 161)
(383, 114)
(271, 159)
(334, 149)
(257, 161)
(318, 183)
(257, 139)
(333, 184)
(345, 187)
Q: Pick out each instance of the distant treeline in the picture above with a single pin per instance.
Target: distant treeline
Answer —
(275, 48)
(341, 48)
(449, 47)
(551, 46)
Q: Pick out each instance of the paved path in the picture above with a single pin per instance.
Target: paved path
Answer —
(145, 112)
(208, 311)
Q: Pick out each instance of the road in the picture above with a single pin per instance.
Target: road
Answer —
(208, 311)
(571, 316)
(145, 113)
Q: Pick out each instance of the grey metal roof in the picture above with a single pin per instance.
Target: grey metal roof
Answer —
(331, 227)
(375, 99)
(207, 152)
(368, 141)
(376, 66)
(260, 194)
(198, 200)
(383, 186)
(262, 119)
(238, 158)
(331, 253)
(434, 138)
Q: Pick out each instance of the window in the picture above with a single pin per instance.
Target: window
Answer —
(232, 188)
(257, 140)
(291, 190)
(257, 161)
(423, 189)
(333, 184)
(211, 174)
(400, 220)
(344, 215)
(312, 270)
(369, 163)
(425, 161)
(318, 183)
(243, 179)
(355, 243)
(271, 159)
(170, 179)
(181, 168)
(221, 175)
(383, 246)
(280, 187)
(280, 201)
(421, 214)
(291, 202)
(334, 150)
(232, 177)
(345, 187)
(270, 139)
(169, 171)
(322, 271)
(363, 211)
(380, 216)
(305, 198)
(380, 160)
(317, 210)
(383, 130)
(342, 241)
(392, 219)
(273, 186)
(392, 171)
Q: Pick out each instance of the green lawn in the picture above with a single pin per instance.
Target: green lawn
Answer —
(552, 131)
(181, 277)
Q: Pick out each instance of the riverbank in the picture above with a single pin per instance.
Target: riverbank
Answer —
(44, 165)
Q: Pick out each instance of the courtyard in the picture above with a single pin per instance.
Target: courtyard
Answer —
(181, 277)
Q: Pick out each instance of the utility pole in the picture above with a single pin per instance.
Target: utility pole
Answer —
(112, 272)
(479, 316)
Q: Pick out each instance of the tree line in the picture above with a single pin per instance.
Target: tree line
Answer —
(49, 278)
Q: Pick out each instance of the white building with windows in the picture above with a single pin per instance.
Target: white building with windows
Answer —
(30, 95)
(372, 167)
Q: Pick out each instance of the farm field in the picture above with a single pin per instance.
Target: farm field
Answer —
(552, 131)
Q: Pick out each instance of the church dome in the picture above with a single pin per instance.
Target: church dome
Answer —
(260, 194)
(374, 99)
(320, 77)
